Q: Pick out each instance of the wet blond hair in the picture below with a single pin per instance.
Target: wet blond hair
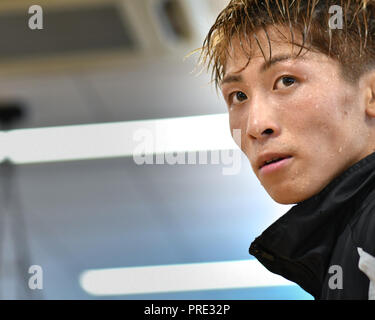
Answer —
(352, 46)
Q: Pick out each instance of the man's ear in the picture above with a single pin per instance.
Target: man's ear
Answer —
(370, 94)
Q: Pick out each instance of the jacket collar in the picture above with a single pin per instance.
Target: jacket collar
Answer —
(298, 246)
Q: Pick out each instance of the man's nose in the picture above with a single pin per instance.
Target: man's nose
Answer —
(261, 121)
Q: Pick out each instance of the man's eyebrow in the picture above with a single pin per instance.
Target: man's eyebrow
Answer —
(276, 59)
(232, 78)
(265, 66)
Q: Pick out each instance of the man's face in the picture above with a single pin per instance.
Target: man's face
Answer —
(301, 108)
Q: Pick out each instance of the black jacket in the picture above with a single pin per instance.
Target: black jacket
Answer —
(323, 231)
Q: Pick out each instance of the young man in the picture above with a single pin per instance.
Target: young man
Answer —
(302, 91)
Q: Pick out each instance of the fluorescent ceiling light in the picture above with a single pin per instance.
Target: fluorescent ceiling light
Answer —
(200, 133)
(179, 277)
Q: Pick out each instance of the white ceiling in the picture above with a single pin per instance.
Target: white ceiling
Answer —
(163, 88)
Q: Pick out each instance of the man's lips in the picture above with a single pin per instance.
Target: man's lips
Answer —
(269, 158)
(275, 166)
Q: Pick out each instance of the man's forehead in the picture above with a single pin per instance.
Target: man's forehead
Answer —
(261, 45)
(281, 51)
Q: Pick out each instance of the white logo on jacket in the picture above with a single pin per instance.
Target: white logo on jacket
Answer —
(367, 265)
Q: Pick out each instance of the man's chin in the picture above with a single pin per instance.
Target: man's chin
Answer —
(286, 197)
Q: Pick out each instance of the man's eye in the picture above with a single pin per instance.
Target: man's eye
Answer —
(285, 81)
(239, 97)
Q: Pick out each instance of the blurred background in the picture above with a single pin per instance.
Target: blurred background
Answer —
(105, 62)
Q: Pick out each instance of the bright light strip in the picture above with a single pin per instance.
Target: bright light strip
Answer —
(199, 133)
(179, 277)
